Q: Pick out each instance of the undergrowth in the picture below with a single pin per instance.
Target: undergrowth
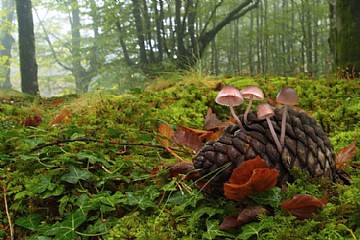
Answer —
(115, 189)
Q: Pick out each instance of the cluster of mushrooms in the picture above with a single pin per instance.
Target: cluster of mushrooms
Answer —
(230, 96)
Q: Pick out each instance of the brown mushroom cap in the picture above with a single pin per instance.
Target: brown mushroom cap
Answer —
(253, 91)
(229, 95)
(287, 96)
(264, 110)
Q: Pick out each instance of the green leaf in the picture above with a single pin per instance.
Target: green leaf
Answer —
(254, 228)
(66, 230)
(92, 158)
(40, 184)
(75, 175)
(213, 230)
(210, 211)
(30, 222)
(271, 197)
(86, 204)
(144, 199)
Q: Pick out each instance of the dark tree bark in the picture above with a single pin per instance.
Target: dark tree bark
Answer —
(159, 35)
(7, 41)
(28, 65)
(122, 43)
(148, 32)
(139, 30)
(345, 37)
(207, 36)
(82, 76)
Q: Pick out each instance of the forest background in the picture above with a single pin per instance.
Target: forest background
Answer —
(118, 45)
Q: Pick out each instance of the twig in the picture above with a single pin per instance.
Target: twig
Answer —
(8, 214)
(40, 146)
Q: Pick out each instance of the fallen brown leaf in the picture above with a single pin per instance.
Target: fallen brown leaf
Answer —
(303, 206)
(345, 154)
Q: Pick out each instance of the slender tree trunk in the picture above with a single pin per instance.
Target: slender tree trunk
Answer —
(7, 40)
(309, 44)
(77, 69)
(159, 35)
(28, 65)
(251, 46)
(148, 32)
(140, 31)
(346, 47)
(122, 43)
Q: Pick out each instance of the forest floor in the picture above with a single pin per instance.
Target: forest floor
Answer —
(102, 166)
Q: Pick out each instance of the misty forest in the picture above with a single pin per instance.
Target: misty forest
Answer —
(179, 119)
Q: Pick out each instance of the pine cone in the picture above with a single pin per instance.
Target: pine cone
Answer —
(306, 147)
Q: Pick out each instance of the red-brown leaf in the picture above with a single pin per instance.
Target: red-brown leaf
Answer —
(345, 154)
(211, 120)
(230, 222)
(180, 168)
(264, 178)
(250, 177)
(303, 206)
(62, 117)
(246, 215)
(244, 171)
(166, 134)
(188, 137)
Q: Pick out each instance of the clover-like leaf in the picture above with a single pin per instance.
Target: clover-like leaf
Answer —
(303, 206)
(75, 175)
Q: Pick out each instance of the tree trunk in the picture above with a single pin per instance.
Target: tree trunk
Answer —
(346, 47)
(7, 40)
(159, 36)
(82, 76)
(28, 66)
(148, 32)
(140, 32)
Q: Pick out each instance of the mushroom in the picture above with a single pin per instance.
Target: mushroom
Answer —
(252, 93)
(265, 111)
(230, 96)
(286, 96)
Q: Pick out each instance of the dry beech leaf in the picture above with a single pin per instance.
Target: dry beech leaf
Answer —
(166, 132)
(185, 168)
(211, 120)
(250, 177)
(215, 135)
(345, 154)
(62, 117)
(188, 137)
(246, 215)
(303, 206)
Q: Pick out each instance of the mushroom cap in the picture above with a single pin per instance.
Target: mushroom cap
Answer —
(229, 95)
(287, 96)
(254, 91)
(264, 110)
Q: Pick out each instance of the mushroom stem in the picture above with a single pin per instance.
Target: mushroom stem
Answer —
(273, 134)
(235, 116)
(248, 110)
(283, 125)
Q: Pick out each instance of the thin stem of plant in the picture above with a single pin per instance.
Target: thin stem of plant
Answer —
(273, 134)
(283, 126)
(235, 116)
(248, 110)
(40, 146)
(8, 214)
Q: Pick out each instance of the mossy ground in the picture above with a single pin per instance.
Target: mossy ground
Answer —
(112, 189)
